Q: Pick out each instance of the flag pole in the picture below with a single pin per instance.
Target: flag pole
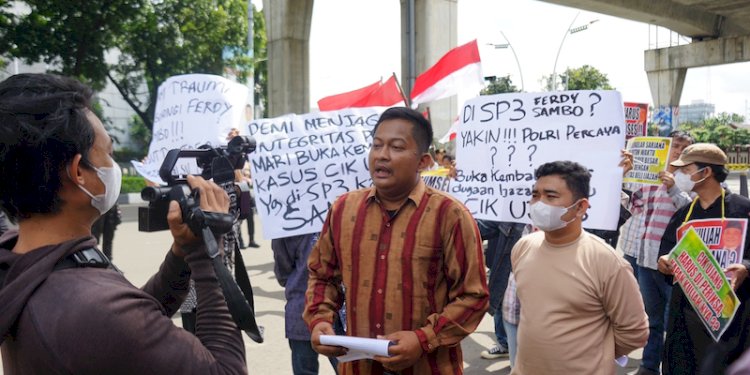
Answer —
(406, 100)
(429, 115)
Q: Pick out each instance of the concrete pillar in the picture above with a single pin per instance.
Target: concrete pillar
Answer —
(667, 67)
(288, 31)
(435, 34)
(666, 86)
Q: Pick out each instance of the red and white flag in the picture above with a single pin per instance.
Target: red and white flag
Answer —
(387, 95)
(451, 134)
(459, 69)
(377, 94)
(347, 99)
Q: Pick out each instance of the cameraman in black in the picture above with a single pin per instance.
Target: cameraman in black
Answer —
(63, 308)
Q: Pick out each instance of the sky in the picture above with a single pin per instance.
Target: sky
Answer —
(353, 43)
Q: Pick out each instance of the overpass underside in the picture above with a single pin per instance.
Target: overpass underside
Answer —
(719, 29)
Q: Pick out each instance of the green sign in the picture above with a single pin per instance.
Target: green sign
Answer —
(704, 283)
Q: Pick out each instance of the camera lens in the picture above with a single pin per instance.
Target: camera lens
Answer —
(154, 193)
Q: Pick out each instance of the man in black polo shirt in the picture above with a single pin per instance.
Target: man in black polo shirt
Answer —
(689, 348)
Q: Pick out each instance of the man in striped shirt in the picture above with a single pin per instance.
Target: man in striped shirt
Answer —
(652, 206)
(409, 257)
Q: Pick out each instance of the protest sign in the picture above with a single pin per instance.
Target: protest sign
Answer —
(302, 163)
(636, 120)
(725, 238)
(704, 283)
(503, 138)
(437, 179)
(192, 110)
(650, 156)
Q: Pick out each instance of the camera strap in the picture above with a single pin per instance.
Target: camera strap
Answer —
(90, 257)
(238, 294)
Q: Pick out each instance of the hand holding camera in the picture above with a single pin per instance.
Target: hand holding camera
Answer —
(212, 199)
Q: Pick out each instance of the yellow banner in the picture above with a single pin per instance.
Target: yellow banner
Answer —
(650, 156)
(442, 172)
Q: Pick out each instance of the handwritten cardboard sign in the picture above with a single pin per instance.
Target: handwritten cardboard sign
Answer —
(302, 163)
(725, 238)
(192, 110)
(502, 139)
(704, 283)
(650, 156)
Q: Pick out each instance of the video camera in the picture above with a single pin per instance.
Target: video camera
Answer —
(217, 163)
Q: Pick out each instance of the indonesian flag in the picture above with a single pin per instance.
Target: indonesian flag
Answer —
(375, 95)
(451, 134)
(387, 95)
(459, 69)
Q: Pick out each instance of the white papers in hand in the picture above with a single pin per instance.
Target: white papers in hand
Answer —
(358, 347)
(622, 361)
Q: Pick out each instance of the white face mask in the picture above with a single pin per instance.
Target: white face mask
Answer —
(549, 218)
(684, 181)
(111, 177)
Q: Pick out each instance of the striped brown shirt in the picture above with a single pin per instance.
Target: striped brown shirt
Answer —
(421, 269)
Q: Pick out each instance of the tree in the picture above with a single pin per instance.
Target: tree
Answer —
(154, 40)
(584, 78)
(717, 130)
(172, 37)
(498, 86)
(69, 35)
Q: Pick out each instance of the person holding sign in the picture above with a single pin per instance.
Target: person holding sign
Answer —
(409, 257)
(581, 307)
(652, 206)
(64, 308)
(689, 347)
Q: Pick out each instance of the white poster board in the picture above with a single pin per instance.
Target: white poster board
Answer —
(302, 163)
(192, 110)
(502, 139)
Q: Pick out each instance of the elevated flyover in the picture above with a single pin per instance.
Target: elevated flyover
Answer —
(719, 30)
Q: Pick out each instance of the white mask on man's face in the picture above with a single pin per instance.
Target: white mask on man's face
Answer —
(548, 217)
(684, 181)
(111, 177)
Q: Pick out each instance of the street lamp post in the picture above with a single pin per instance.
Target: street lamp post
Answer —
(507, 45)
(569, 30)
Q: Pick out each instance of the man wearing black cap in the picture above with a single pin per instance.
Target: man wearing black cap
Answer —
(689, 348)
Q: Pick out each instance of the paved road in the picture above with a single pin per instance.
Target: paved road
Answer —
(139, 254)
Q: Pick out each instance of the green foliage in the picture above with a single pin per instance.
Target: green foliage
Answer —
(584, 78)
(125, 155)
(6, 22)
(155, 40)
(140, 135)
(132, 184)
(717, 130)
(499, 86)
(98, 110)
(71, 36)
(172, 37)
